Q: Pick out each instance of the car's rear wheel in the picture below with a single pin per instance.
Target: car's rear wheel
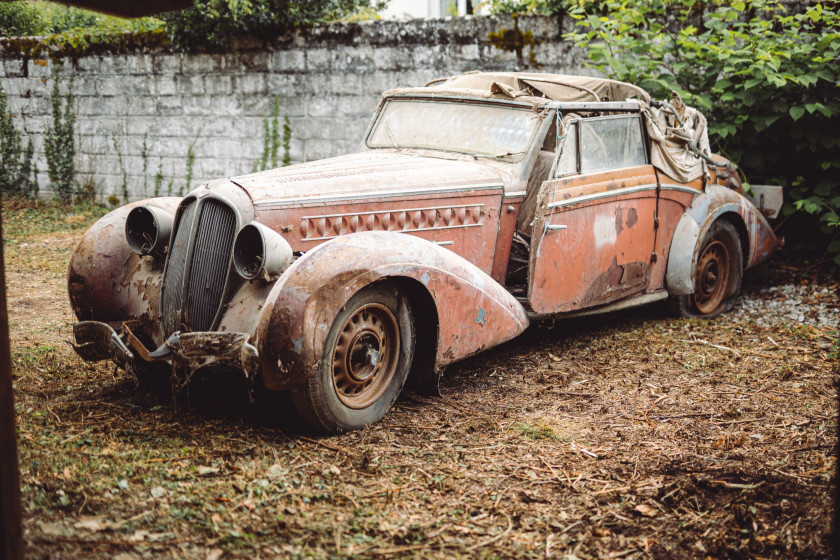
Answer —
(717, 274)
(364, 363)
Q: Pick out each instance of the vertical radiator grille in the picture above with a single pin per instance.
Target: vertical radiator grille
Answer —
(197, 271)
(210, 264)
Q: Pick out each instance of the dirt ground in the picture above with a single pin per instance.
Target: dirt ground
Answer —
(633, 435)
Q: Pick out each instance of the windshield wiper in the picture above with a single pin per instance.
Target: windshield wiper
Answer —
(388, 130)
(497, 156)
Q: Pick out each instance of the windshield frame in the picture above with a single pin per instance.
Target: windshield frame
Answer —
(538, 111)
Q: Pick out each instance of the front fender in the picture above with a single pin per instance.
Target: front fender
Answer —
(473, 311)
(106, 280)
(708, 206)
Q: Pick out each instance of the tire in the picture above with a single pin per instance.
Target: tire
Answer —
(717, 275)
(364, 363)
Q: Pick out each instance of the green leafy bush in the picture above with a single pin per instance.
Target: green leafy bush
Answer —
(60, 143)
(72, 32)
(19, 19)
(766, 77)
(17, 173)
(543, 7)
(212, 25)
(36, 17)
(766, 74)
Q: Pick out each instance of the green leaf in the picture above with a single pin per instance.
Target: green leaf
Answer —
(796, 113)
(830, 218)
(753, 82)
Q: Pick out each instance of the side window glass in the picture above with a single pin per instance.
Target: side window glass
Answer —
(567, 162)
(611, 143)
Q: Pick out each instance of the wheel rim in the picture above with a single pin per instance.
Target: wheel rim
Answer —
(711, 277)
(366, 355)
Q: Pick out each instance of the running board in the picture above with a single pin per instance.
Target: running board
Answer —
(636, 301)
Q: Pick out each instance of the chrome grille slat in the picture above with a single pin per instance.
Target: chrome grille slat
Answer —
(198, 266)
(210, 264)
(172, 300)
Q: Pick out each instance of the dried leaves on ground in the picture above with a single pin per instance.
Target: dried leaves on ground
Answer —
(633, 435)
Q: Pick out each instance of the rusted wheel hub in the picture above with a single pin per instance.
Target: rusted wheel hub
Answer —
(366, 355)
(711, 277)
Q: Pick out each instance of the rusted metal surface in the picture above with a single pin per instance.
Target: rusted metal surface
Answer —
(767, 198)
(673, 201)
(106, 280)
(368, 175)
(464, 220)
(473, 311)
(593, 239)
(97, 341)
(507, 227)
(716, 202)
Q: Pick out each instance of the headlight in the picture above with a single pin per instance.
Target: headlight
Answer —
(259, 251)
(148, 229)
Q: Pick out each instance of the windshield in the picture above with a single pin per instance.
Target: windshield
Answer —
(478, 129)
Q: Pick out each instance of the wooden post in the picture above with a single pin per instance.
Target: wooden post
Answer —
(11, 532)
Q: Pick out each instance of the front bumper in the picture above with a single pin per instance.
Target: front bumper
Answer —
(95, 341)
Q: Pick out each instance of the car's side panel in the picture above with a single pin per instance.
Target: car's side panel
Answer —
(507, 227)
(673, 201)
(473, 311)
(714, 203)
(593, 239)
(465, 220)
(106, 280)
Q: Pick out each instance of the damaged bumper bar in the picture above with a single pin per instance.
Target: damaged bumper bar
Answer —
(95, 341)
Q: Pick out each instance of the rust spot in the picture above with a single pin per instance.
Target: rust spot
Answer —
(617, 281)
(632, 218)
(615, 272)
(619, 222)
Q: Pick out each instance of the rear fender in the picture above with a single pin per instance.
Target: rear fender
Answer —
(708, 206)
(473, 311)
(106, 280)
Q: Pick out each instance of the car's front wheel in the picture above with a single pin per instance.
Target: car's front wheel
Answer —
(364, 363)
(717, 274)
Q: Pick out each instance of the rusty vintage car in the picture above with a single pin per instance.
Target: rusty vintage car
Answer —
(477, 203)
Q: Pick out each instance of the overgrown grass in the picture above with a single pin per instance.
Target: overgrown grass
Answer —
(23, 218)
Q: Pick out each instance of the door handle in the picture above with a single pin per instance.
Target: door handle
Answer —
(555, 227)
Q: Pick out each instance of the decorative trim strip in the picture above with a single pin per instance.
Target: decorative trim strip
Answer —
(376, 194)
(391, 211)
(605, 194)
(683, 188)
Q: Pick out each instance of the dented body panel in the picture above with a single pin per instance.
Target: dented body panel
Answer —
(473, 311)
(108, 282)
(715, 203)
(594, 237)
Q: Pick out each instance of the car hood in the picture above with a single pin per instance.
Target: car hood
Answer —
(364, 175)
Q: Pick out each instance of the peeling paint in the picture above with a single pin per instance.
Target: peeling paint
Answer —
(604, 231)
(297, 344)
(481, 319)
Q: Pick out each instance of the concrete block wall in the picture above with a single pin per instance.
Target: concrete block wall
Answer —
(138, 114)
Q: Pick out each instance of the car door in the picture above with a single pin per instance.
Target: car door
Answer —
(594, 227)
